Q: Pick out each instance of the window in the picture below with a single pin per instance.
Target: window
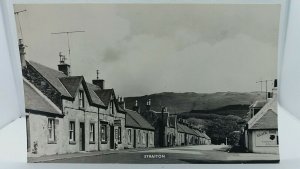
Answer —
(51, 130)
(92, 133)
(81, 99)
(129, 136)
(119, 135)
(111, 106)
(103, 133)
(72, 132)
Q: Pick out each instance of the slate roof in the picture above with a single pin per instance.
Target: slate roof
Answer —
(135, 120)
(199, 133)
(180, 128)
(52, 77)
(266, 118)
(258, 104)
(104, 95)
(36, 101)
(95, 99)
(186, 129)
(267, 121)
(71, 83)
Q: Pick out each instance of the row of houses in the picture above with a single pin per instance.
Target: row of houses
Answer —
(67, 114)
(170, 131)
(260, 135)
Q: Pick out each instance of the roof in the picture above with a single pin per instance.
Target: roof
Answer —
(266, 118)
(186, 129)
(206, 136)
(267, 121)
(136, 120)
(258, 104)
(199, 133)
(95, 99)
(36, 101)
(52, 76)
(105, 95)
(71, 83)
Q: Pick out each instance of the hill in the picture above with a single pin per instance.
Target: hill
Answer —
(186, 102)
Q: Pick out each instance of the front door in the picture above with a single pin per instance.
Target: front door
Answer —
(147, 138)
(134, 138)
(112, 140)
(81, 137)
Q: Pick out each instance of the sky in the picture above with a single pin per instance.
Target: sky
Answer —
(141, 49)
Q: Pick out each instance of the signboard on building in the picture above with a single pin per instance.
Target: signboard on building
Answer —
(266, 138)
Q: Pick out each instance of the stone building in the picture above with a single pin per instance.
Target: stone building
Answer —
(165, 126)
(79, 116)
(261, 132)
(139, 132)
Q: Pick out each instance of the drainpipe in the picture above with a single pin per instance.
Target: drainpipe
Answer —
(98, 131)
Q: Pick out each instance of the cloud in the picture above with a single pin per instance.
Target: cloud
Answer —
(144, 49)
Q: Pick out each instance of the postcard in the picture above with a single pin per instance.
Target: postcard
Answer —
(150, 83)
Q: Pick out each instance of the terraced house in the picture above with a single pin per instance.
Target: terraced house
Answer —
(139, 132)
(66, 114)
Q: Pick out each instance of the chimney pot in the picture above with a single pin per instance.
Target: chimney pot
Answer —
(62, 66)
(98, 82)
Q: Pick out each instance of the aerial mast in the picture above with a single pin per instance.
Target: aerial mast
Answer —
(68, 38)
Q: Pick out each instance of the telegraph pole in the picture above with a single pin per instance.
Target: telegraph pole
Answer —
(18, 20)
(261, 82)
(261, 86)
(68, 38)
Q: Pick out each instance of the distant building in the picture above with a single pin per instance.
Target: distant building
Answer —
(139, 132)
(164, 124)
(261, 132)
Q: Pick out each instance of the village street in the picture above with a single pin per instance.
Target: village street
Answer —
(188, 154)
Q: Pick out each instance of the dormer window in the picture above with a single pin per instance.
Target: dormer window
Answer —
(111, 106)
(81, 99)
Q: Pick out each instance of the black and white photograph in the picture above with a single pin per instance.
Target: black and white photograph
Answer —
(150, 83)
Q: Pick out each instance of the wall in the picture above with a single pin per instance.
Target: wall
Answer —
(141, 138)
(259, 141)
(39, 124)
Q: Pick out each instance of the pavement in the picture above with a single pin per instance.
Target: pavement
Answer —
(198, 154)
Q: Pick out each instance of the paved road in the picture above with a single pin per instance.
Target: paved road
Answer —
(199, 154)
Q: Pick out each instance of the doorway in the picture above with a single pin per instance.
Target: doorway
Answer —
(112, 140)
(134, 138)
(81, 137)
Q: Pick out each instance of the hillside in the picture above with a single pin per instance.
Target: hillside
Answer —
(219, 114)
(186, 102)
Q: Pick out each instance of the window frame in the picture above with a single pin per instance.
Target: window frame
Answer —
(129, 136)
(119, 135)
(81, 99)
(72, 132)
(104, 133)
(92, 133)
(52, 136)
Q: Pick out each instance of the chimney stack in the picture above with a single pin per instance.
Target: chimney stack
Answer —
(148, 105)
(62, 66)
(275, 83)
(22, 53)
(136, 107)
(121, 102)
(98, 82)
